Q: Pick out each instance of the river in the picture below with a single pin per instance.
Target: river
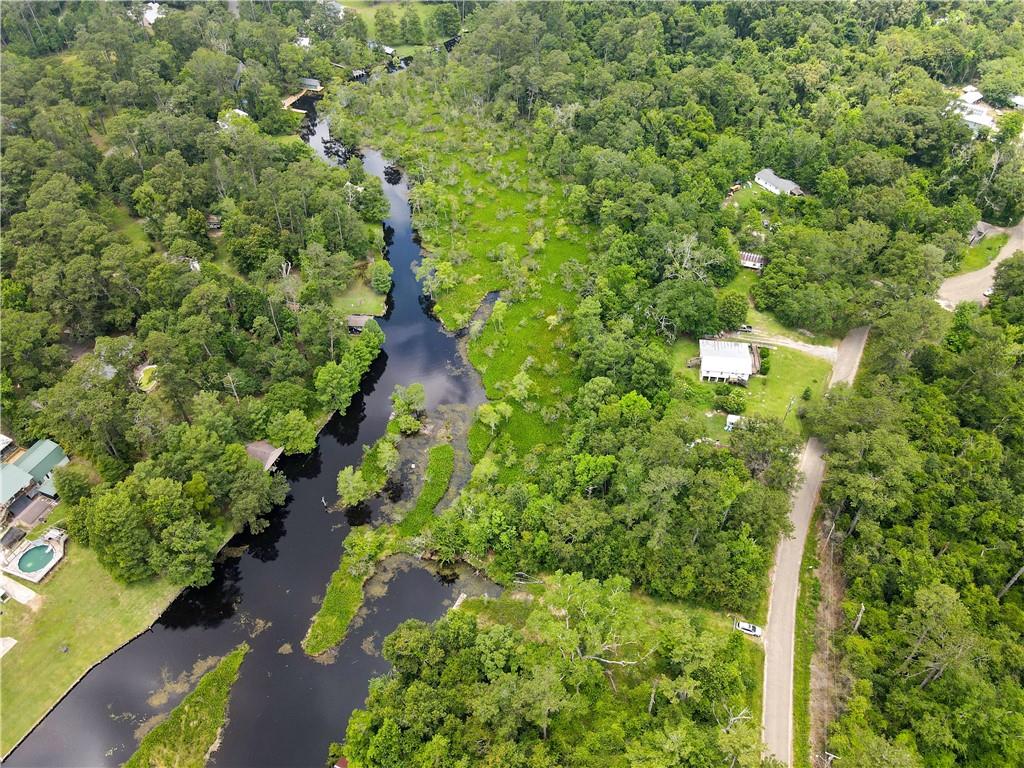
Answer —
(285, 708)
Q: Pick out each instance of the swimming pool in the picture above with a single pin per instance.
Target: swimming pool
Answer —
(36, 558)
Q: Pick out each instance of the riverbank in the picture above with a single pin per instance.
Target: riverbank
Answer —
(86, 617)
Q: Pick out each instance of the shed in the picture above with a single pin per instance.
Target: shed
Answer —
(11, 538)
(1017, 101)
(971, 95)
(731, 361)
(39, 460)
(356, 323)
(777, 185)
(752, 260)
(310, 83)
(14, 481)
(213, 221)
(264, 452)
(5, 443)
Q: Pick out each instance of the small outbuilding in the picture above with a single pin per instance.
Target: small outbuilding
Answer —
(775, 184)
(730, 361)
(356, 323)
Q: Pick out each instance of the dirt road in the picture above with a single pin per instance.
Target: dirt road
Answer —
(763, 337)
(777, 718)
(972, 285)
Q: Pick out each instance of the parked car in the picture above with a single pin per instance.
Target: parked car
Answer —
(746, 329)
(749, 629)
(989, 291)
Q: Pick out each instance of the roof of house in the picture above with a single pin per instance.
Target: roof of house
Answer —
(729, 358)
(41, 458)
(977, 117)
(13, 480)
(310, 82)
(358, 321)
(5, 442)
(768, 176)
(1018, 101)
(971, 95)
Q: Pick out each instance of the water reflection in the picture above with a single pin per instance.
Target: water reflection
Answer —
(285, 707)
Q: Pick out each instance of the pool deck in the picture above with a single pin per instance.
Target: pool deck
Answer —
(21, 593)
(13, 563)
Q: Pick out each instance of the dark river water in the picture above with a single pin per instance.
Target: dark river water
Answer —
(285, 707)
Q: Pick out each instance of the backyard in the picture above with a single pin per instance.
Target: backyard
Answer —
(85, 616)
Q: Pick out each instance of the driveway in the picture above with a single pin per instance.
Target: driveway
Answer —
(972, 285)
(21, 593)
(765, 338)
(777, 719)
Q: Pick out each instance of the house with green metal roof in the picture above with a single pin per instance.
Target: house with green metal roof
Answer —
(41, 459)
(14, 481)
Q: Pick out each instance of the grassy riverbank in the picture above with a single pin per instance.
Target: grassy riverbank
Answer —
(185, 738)
(365, 547)
(85, 616)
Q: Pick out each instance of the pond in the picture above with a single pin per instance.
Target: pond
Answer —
(286, 707)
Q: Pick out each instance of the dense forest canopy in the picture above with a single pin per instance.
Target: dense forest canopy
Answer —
(122, 139)
(120, 143)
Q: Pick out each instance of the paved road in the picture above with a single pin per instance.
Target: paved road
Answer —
(777, 718)
(972, 285)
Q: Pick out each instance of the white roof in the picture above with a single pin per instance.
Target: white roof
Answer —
(971, 95)
(1018, 101)
(975, 117)
(5, 441)
(768, 176)
(303, 42)
(725, 358)
(151, 12)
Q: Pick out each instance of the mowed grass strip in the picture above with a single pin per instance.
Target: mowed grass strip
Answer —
(184, 739)
(85, 616)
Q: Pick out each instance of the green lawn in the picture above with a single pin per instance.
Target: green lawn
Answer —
(120, 219)
(84, 610)
(981, 254)
(790, 373)
(185, 737)
(359, 299)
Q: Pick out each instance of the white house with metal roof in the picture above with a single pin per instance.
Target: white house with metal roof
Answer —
(775, 184)
(731, 361)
